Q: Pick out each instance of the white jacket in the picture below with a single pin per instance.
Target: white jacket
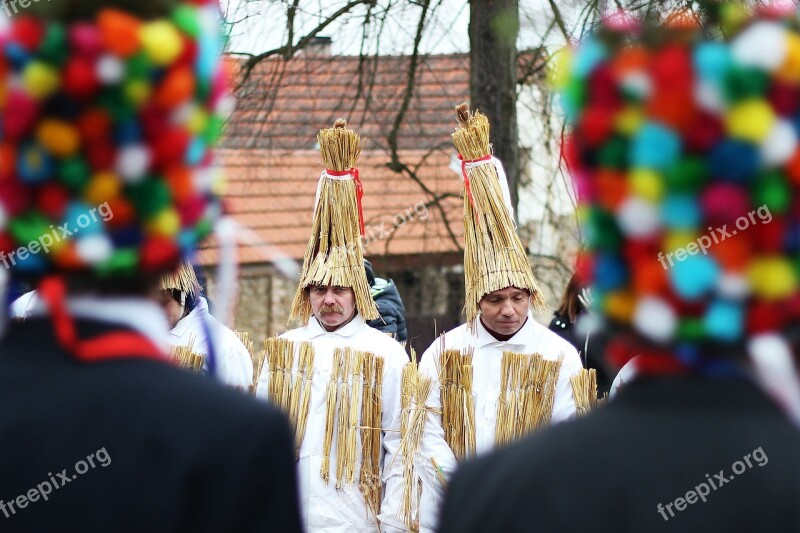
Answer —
(234, 366)
(326, 509)
(486, 370)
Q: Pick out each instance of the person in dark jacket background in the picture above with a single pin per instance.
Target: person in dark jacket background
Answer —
(390, 306)
(565, 323)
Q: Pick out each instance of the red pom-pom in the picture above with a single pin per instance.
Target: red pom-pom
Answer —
(611, 188)
(793, 168)
(25, 112)
(52, 199)
(584, 268)
(80, 80)
(763, 316)
(673, 107)
(154, 123)
(765, 237)
(170, 149)
(85, 40)
(191, 211)
(101, 155)
(723, 203)
(703, 132)
(15, 197)
(784, 98)
(686, 308)
(124, 213)
(8, 157)
(602, 88)
(158, 253)
(28, 32)
(671, 70)
(7, 244)
(94, 125)
(596, 124)
(189, 55)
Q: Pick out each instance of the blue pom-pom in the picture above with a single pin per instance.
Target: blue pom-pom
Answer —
(187, 241)
(711, 60)
(723, 320)
(130, 237)
(83, 219)
(17, 55)
(694, 276)
(195, 152)
(791, 239)
(34, 164)
(735, 161)
(208, 51)
(680, 212)
(688, 353)
(31, 264)
(610, 273)
(655, 146)
(588, 55)
(128, 132)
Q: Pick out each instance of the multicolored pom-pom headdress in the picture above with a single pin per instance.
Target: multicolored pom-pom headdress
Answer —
(117, 114)
(494, 257)
(334, 255)
(685, 156)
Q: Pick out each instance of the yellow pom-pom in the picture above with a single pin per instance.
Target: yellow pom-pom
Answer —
(629, 120)
(103, 187)
(198, 122)
(40, 80)
(771, 278)
(161, 41)
(750, 120)
(790, 69)
(560, 66)
(59, 138)
(138, 92)
(647, 184)
(220, 185)
(619, 306)
(678, 239)
(166, 223)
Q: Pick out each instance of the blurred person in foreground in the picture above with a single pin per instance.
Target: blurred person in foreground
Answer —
(673, 137)
(112, 108)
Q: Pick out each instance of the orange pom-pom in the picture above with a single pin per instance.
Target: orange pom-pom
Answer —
(124, 213)
(611, 188)
(649, 277)
(119, 32)
(630, 60)
(178, 86)
(180, 183)
(732, 253)
(793, 168)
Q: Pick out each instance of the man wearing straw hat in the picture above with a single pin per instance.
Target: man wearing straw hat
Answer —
(333, 299)
(706, 437)
(500, 290)
(99, 431)
(193, 326)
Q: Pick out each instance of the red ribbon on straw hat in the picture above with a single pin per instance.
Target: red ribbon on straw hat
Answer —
(114, 345)
(464, 164)
(359, 191)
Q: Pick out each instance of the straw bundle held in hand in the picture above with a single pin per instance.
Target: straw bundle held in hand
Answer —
(256, 359)
(584, 388)
(334, 255)
(416, 389)
(494, 257)
(527, 394)
(186, 358)
(458, 407)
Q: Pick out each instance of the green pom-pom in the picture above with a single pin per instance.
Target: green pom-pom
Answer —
(54, 48)
(575, 93)
(771, 189)
(214, 130)
(151, 196)
(185, 17)
(202, 229)
(122, 261)
(139, 66)
(614, 154)
(688, 174)
(115, 103)
(602, 232)
(75, 174)
(743, 83)
(28, 227)
(690, 329)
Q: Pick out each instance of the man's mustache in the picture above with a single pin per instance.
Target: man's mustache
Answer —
(331, 309)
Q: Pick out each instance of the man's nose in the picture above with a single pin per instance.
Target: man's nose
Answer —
(507, 309)
(329, 298)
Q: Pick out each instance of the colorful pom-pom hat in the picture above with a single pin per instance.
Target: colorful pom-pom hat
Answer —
(685, 156)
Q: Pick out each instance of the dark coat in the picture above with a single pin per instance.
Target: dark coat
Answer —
(181, 453)
(389, 304)
(653, 444)
(589, 347)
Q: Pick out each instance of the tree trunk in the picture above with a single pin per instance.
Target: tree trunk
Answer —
(493, 29)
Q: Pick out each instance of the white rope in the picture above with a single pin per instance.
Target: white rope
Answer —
(502, 179)
(324, 175)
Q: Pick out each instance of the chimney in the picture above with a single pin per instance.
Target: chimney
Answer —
(318, 47)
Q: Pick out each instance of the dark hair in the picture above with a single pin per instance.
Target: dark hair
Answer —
(570, 305)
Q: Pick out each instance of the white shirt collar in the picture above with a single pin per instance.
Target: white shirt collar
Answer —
(186, 322)
(520, 338)
(348, 330)
(140, 314)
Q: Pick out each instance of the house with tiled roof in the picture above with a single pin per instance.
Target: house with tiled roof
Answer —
(412, 205)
